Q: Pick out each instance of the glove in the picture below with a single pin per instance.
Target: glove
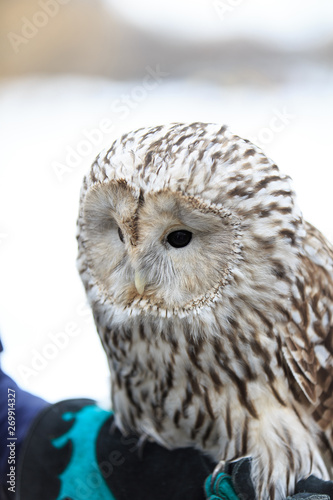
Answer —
(235, 483)
(71, 451)
(317, 489)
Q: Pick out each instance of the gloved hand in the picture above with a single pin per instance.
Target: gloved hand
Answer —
(235, 483)
(71, 451)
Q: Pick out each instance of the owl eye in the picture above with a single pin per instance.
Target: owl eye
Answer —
(120, 234)
(179, 239)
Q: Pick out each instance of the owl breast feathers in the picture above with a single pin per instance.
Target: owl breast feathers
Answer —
(213, 299)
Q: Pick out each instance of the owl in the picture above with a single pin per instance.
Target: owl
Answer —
(213, 299)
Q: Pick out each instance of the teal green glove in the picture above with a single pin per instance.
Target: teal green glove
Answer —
(220, 487)
(235, 483)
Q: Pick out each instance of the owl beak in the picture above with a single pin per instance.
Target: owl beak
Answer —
(140, 282)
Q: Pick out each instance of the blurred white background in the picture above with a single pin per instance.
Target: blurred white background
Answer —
(77, 73)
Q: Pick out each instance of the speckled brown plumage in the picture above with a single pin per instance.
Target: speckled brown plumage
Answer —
(226, 343)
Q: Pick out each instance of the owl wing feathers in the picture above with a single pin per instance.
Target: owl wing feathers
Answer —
(308, 338)
(303, 371)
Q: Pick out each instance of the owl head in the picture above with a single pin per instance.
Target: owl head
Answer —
(180, 217)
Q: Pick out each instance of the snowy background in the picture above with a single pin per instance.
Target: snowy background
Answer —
(75, 77)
